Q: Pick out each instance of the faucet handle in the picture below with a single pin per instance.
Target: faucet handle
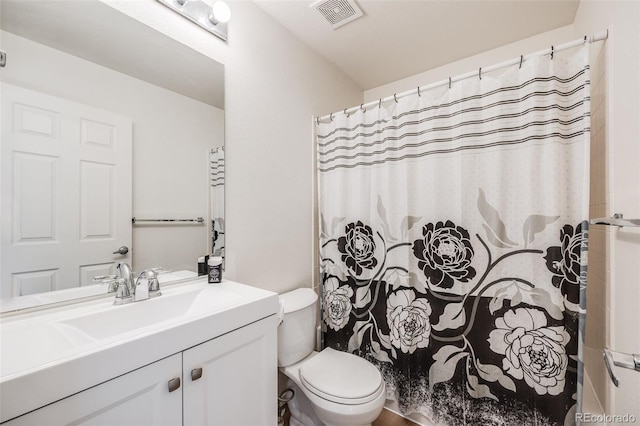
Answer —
(153, 285)
(109, 280)
(100, 278)
(141, 289)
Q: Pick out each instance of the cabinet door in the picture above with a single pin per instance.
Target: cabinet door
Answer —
(141, 397)
(238, 385)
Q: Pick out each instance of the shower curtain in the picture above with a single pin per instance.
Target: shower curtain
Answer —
(453, 243)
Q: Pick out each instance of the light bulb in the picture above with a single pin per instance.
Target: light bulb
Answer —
(220, 12)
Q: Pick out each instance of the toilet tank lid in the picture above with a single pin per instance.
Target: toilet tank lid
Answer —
(297, 299)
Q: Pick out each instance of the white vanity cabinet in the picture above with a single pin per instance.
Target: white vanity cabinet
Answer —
(140, 397)
(111, 365)
(229, 380)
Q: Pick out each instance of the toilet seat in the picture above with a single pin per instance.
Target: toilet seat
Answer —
(341, 377)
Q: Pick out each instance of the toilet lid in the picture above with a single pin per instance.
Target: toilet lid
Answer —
(341, 377)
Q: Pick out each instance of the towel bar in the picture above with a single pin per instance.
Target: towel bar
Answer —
(196, 220)
(616, 220)
(619, 359)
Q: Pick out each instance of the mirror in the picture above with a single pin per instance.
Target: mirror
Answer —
(104, 119)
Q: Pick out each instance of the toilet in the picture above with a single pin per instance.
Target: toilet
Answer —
(330, 387)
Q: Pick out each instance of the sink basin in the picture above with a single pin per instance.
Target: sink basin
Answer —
(42, 337)
(139, 316)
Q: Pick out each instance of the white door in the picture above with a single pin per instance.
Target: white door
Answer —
(66, 191)
(142, 397)
(232, 379)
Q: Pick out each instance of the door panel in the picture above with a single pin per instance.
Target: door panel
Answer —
(97, 210)
(87, 272)
(34, 282)
(34, 196)
(66, 185)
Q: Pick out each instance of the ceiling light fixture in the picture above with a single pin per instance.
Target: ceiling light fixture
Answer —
(212, 15)
(220, 12)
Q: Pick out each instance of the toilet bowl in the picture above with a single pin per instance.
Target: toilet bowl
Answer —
(342, 389)
(331, 387)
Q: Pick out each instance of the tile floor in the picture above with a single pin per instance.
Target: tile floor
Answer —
(387, 418)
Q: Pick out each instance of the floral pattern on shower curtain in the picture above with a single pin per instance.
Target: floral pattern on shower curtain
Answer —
(453, 243)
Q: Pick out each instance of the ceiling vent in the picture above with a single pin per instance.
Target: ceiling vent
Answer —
(338, 12)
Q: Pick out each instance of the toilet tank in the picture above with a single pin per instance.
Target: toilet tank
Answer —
(297, 332)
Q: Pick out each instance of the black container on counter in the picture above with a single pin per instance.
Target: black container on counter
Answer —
(215, 269)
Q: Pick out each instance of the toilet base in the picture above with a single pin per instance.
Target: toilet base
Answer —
(303, 412)
(301, 409)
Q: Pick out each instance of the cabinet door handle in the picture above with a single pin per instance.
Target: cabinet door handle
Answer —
(174, 384)
(196, 373)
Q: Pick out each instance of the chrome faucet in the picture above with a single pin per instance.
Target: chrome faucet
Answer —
(136, 289)
(129, 289)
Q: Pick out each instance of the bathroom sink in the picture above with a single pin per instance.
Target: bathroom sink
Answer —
(135, 317)
(42, 338)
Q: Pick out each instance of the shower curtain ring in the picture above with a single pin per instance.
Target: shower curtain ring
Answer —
(394, 97)
(585, 39)
(480, 73)
(449, 82)
(419, 95)
(380, 103)
(345, 112)
(521, 59)
(331, 116)
(363, 108)
(317, 121)
(552, 53)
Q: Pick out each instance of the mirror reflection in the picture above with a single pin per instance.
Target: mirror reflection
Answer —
(216, 182)
(100, 126)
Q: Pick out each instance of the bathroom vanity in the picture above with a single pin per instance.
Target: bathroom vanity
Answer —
(198, 354)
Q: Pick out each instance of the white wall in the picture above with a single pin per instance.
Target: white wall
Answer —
(463, 66)
(171, 137)
(273, 86)
(614, 290)
(598, 275)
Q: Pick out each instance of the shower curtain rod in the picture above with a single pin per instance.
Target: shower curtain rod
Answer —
(602, 35)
